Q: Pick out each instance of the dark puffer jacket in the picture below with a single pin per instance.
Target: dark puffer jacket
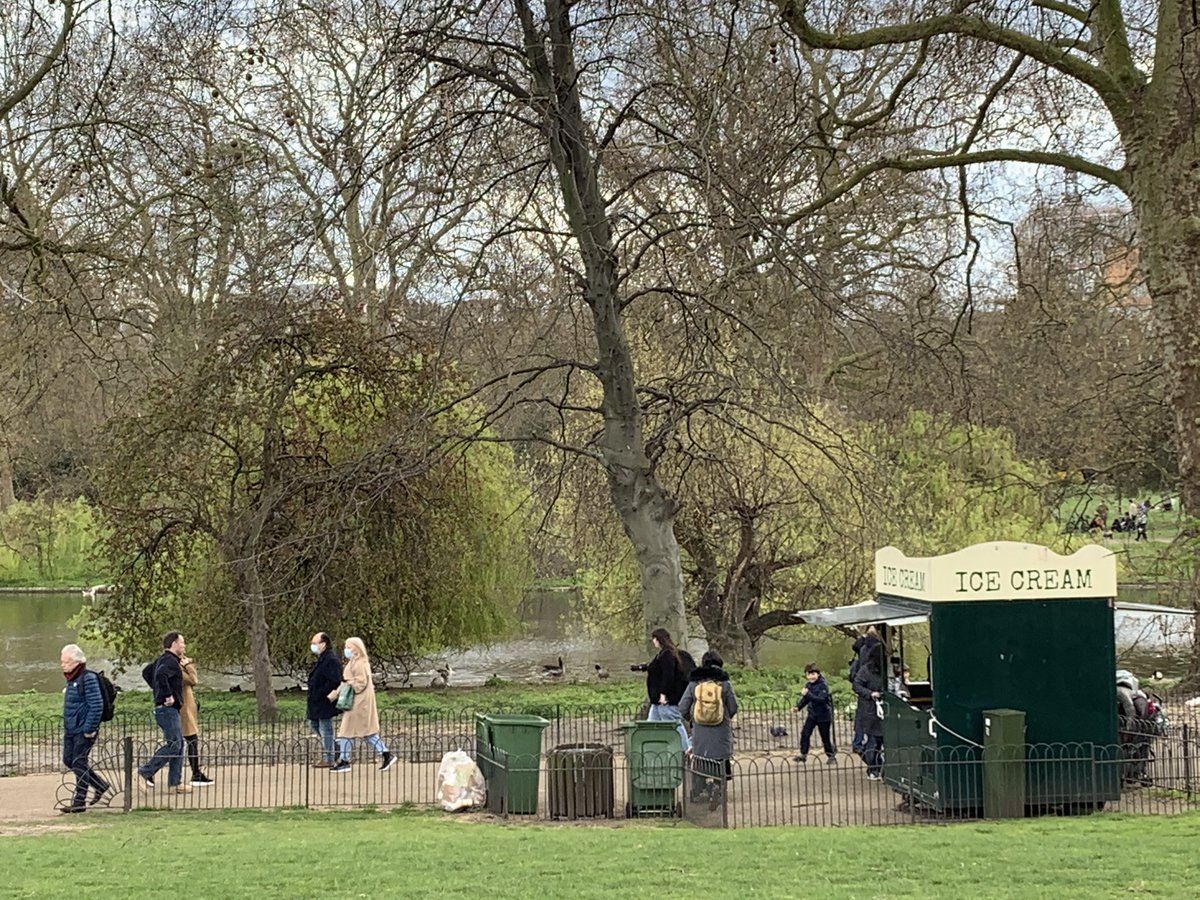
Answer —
(82, 704)
(818, 700)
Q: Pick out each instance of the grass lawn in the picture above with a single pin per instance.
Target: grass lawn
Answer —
(370, 854)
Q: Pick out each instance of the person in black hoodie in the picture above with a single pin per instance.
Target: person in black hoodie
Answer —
(868, 685)
(325, 676)
(819, 700)
(165, 676)
(666, 680)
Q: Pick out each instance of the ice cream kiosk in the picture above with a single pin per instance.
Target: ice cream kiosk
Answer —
(1018, 711)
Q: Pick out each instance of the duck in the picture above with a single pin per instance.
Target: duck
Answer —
(553, 671)
(442, 678)
(601, 672)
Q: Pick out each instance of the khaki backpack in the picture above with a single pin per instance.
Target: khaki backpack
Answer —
(709, 708)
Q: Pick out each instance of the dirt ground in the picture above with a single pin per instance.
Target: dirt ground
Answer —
(769, 788)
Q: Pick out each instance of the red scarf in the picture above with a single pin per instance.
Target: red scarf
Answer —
(75, 672)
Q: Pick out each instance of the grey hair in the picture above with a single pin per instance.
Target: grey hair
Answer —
(74, 652)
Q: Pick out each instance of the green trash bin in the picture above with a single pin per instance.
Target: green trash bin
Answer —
(654, 760)
(513, 742)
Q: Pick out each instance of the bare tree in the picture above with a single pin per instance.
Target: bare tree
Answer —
(1116, 86)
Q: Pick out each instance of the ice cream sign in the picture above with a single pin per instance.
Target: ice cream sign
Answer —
(1003, 570)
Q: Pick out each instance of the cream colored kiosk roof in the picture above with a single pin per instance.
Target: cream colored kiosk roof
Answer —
(1000, 570)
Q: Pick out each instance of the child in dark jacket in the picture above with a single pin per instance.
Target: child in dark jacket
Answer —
(819, 701)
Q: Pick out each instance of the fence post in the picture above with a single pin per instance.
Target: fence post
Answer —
(1187, 760)
(127, 770)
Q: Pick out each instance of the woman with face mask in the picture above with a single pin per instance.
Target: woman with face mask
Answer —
(362, 719)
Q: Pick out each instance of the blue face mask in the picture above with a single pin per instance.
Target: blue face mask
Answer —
(348, 653)
(315, 648)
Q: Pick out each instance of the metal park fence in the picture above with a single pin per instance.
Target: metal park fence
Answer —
(587, 772)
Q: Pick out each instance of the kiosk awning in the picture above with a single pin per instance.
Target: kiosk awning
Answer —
(871, 611)
(865, 613)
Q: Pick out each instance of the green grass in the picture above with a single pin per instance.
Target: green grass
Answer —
(778, 685)
(297, 853)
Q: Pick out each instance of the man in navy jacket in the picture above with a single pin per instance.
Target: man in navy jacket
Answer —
(82, 706)
(324, 677)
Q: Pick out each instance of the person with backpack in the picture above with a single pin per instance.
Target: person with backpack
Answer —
(83, 709)
(710, 704)
(165, 677)
(819, 701)
(666, 680)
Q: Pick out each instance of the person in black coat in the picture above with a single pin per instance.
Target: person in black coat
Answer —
(666, 680)
(165, 677)
(324, 677)
(868, 686)
(819, 702)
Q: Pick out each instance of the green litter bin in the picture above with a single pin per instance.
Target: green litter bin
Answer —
(654, 760)
(514, 743)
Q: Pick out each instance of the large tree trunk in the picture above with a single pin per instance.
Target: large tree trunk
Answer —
(250, 593)
(7, 495)
(1162, 141)
(647, 512)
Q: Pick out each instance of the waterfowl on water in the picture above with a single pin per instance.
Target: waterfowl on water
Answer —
(554, 671)
(601, 672)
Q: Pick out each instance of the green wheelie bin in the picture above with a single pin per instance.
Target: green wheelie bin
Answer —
(654, 760)
(514, 743)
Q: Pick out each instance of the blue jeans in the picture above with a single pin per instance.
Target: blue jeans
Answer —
(324, 728)
(171, 752)
(373, 739)
(75, 757)
(666, 712)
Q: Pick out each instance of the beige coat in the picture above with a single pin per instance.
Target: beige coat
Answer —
(362, 719)
(188, 712)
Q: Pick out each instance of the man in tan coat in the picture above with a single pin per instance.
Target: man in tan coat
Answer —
(188, 721)
(362, 719)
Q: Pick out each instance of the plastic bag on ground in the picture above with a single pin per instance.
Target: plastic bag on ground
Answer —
(460, 784)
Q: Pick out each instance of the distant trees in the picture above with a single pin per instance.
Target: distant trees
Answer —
(297, 475)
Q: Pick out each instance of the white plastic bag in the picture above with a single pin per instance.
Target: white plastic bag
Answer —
(460, 784)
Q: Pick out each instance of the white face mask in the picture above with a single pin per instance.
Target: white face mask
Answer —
(315, 648)
(348, 653)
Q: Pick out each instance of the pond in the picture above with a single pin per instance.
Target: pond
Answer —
(34, 629)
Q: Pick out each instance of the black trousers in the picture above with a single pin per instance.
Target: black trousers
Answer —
(826, 737)
(76, 750)
(193, 752)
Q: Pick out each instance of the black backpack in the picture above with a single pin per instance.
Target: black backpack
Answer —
(108, 693)
(108, 696)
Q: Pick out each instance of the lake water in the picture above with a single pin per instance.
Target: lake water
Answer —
(34, 628)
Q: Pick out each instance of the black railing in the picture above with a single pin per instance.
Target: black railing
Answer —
(34, 745)
(587, 771)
